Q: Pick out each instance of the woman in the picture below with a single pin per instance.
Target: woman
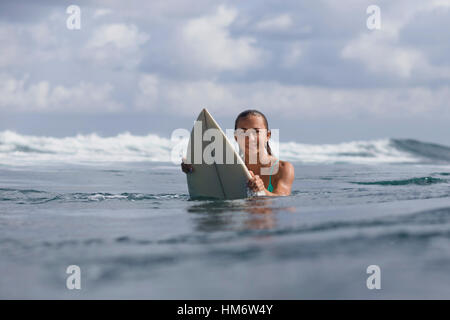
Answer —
(269, 174)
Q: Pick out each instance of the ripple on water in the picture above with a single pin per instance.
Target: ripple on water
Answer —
(30, 196)
(413, 181)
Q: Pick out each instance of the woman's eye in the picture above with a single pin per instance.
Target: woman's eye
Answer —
(248, 131)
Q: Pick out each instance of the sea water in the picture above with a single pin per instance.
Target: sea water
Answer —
(126, 220)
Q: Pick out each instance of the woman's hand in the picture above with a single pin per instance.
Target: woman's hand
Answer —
(186, 168)
(255, 183)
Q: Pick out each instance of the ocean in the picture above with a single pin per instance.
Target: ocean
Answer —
(118, 208)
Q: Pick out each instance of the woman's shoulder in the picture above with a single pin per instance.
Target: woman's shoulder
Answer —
(285, 168)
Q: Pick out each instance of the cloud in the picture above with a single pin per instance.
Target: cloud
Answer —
(147, 96)
(227, 58)
(380, 54)
(278, 23)
(25, 45)
(182, 98)
(102, 12)
(293, 55)
(207, 42)
(119, 35)
(381, 51)
(314, 102)
(18, 95)
(11, 48)
(116, 44)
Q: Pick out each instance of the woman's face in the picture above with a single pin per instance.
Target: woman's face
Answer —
(252, 141)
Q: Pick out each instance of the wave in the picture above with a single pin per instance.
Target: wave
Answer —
(17, 149)
(422, 181)
(430, 151)
(125, 147)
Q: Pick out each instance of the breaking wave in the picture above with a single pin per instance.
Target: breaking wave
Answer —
(16, 149)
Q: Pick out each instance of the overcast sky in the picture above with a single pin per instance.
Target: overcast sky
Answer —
(313, 67)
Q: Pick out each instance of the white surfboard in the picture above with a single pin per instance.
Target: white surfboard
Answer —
(220, 179)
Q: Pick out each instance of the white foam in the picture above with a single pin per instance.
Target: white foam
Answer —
(17, 149)
(124, 147)
(364, 152)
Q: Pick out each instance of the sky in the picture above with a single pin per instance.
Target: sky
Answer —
(313, 67)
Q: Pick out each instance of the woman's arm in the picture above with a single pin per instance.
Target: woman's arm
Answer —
(284, 184)
(285, 180)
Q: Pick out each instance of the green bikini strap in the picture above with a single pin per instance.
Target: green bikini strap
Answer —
(271, 170)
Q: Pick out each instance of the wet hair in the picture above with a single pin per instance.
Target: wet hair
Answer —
(253, 112)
